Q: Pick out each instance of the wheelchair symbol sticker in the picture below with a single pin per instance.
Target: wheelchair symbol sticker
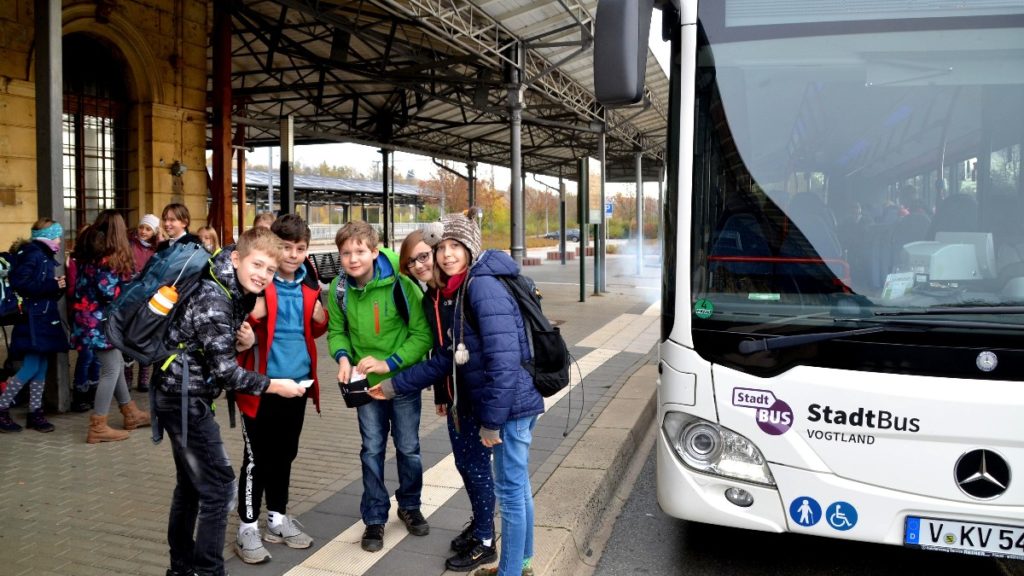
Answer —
(841, 515)
(805, 511)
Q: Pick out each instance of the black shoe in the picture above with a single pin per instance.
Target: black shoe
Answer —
(80, 401)
(373, 537)
(475, 556)
(414, 521)
(464, 541)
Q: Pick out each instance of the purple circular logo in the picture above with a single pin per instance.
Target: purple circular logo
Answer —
(775, 419)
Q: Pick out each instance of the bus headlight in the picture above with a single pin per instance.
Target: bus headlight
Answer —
(707, 447)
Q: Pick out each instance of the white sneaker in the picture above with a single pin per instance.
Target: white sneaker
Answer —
(249, 547)
(289, 533)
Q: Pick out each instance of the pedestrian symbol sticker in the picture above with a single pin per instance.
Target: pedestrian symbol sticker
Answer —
(703, 309)
(841, 515)
(805, 511)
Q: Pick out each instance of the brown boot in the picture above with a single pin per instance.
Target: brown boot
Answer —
(133, 417)
(100, 432)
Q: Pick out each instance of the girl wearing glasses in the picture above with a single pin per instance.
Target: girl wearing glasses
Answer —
(416, 259)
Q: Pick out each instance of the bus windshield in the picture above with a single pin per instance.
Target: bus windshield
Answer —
(866, 173)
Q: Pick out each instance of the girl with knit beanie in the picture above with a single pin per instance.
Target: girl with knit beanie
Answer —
(475, 544)
(482, 360)
(39, 332)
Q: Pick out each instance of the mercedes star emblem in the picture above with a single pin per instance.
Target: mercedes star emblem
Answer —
(982, 474)
(987, 361)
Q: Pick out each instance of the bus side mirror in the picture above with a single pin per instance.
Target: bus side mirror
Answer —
(621, 28)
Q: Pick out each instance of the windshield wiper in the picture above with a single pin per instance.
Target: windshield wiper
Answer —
(882, 324)
(776, 342)
(954, 310)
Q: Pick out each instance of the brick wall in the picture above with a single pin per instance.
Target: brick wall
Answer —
(164, 44)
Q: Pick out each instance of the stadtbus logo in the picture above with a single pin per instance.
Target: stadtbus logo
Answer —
(773, 416)
(862, 418)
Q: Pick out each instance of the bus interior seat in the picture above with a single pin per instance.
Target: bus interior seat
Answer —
(880, 253)
(816, 234)
(957, 213)
(741, 235)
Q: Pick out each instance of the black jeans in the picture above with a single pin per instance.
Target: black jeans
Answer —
(271, 442)
(205, 488)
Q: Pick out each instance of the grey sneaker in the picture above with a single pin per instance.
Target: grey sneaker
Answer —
(249, 547)
(290, 533)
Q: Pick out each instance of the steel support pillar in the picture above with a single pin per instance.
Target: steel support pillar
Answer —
(471, 182)
(220, 184)
(561, 216)
(582, 205)
(287, 186)
(516, 127)
(522, 217)
(49, 163)
(639, 213)
(386, 198)
(240, 195)
(599, 242)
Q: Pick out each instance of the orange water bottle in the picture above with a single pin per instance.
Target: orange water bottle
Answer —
(164, 299)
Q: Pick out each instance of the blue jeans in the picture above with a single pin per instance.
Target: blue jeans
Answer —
(400, 416)
(87, 369)
(515, 495)
(205, 487)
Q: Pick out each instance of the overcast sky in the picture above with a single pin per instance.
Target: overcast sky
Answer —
(362, 158)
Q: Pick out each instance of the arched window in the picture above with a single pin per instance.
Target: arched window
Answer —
(95, 140)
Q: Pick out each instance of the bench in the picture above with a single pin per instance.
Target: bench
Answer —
(327, 265)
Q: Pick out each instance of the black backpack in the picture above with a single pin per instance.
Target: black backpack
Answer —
(10, 302)
(549, 356)
(135, 329)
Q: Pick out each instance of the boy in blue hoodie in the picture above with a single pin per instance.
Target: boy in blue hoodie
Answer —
(283, 326)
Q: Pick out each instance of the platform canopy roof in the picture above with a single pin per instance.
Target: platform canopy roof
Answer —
(432, 77)
(325, 188)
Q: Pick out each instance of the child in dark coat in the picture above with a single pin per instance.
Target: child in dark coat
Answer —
(39, 331)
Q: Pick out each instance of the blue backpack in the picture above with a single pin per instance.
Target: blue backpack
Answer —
(131, 325)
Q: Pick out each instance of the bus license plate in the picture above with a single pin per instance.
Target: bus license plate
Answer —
(973, 538)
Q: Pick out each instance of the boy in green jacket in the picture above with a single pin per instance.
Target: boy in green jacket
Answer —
(376, 328)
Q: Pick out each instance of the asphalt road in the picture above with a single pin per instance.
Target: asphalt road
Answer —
(646, 541)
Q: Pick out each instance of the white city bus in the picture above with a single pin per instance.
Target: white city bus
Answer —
(842, 344)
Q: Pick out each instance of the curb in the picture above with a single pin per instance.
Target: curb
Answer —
(569, 506)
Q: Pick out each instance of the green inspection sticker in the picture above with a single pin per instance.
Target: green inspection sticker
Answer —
(703, 309)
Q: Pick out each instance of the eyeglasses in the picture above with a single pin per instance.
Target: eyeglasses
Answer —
(421, 258)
